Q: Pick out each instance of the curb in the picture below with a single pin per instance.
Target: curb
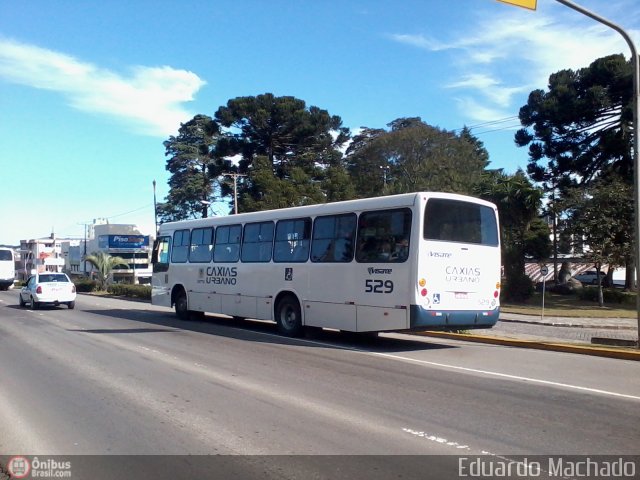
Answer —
(564, 323)
(556, 347)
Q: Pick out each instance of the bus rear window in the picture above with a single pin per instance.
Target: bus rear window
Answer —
(458, 221)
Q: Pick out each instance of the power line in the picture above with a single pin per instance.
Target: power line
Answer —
(508, 127)
(130, 211)
(495, 122)
(490, 123)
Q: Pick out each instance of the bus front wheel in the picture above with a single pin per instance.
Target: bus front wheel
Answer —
(181, 306)
(289, 317)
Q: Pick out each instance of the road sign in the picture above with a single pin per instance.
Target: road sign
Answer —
(544, 270)
(530, 4)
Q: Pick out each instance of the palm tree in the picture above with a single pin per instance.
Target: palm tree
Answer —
(105, 264)
(518, 202)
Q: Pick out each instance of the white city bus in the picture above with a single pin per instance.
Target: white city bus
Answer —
(7, 268)
(401, 262)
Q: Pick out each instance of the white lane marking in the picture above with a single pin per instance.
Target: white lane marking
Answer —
(435, 438)
(467, 369)
(153, 350)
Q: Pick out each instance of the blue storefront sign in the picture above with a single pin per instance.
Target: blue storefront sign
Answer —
(123, 241)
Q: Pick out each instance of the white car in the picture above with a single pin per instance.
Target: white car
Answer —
(48, 288)
(590, 277)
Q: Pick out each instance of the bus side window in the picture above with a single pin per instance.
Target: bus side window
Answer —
(383, 236)
(333, 237)
(292, 240)
(201, 245)
(227, 246)
(257, 242)
(180, 250)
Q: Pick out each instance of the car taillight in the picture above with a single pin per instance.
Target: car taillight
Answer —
(73, 289)
(39, 289)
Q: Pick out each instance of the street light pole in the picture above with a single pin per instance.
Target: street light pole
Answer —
(635, 61)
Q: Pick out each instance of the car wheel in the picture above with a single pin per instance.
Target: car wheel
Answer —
(22, 302)
(289, 316)
(71, 305)
(35, 305)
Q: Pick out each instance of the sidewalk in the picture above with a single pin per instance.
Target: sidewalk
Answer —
(609, 337)
(564, 329)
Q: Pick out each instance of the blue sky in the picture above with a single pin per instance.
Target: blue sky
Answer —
(89, 90)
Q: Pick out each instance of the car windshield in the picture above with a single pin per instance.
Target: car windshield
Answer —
(52, 277)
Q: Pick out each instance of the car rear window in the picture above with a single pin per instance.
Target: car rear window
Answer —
(52, 277)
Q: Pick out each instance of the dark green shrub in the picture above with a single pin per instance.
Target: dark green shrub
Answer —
(84, 284)
(517, 288)
(131, 291)
(610, 295)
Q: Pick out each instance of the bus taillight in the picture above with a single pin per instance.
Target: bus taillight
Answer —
(423, 292)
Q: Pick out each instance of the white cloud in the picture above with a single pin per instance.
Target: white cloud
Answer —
(419, 41)
(513, 53)
(482, 111)
(149, 99)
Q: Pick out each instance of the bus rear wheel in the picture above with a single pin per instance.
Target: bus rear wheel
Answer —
(289, 316)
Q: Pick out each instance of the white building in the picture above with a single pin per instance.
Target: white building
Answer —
(65, 255)
(118, 240)
(42, 254)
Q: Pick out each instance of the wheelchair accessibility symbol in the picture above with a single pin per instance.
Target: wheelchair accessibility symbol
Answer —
(436, 298)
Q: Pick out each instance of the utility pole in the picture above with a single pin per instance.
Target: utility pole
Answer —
(385, 169)
(235, 177)
(84, 255)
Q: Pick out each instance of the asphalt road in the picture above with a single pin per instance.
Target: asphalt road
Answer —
(116, 377)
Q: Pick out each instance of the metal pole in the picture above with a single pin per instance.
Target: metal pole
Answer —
(155, 208)
(636, 142)
(235, 194)
(84, 258)
(544, 283)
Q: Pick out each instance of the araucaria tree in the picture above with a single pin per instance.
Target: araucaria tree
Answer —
(582, 127)
(289, 152)
(580, 133)
(191, 189)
